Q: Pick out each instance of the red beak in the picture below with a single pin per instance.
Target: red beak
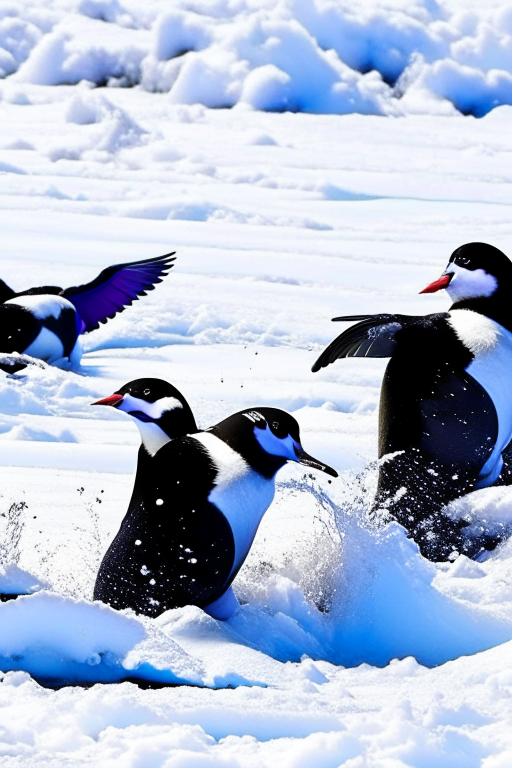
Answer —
(437, 285)
(113, 400)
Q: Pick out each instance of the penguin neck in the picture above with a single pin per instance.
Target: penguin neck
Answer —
(496, 307)
(153, 437)
(176, 422)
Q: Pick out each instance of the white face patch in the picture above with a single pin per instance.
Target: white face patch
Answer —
(43, 306)
(276, 446)
(469, 283)
(153, 410)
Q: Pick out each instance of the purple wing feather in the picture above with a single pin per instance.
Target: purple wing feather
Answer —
(116, 288)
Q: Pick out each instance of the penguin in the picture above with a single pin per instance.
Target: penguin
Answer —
(46, 322)
(197, 509)
(445, 414)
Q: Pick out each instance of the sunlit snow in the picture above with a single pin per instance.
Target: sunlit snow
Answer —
(349, 649)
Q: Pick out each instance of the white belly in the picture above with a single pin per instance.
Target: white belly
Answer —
(242, 494)
(492, 368)
(46, 346)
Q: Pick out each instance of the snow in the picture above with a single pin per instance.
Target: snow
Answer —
(281, 221)
(390, 57)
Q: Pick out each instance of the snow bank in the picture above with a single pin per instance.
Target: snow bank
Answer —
(366, 596)
(62, 641)
(298, 55)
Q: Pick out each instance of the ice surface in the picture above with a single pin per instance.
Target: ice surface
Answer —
(349, 648)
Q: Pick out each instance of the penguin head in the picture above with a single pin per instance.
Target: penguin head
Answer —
(267, 438)
(475, 271)
(159, 409)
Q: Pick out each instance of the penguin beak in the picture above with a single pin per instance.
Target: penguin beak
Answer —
(443, 282)
(114, 400)
(308, 461)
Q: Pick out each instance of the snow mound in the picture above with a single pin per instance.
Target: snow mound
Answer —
(60, 641)
(366, 598)
(299, 55)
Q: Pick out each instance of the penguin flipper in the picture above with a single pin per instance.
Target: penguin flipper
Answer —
(115, 288)
(372, 336)
(224, 607)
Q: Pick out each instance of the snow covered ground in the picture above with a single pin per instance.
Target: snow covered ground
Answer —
(280, 222)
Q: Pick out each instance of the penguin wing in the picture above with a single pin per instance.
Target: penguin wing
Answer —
(115, 288)
(372, 336)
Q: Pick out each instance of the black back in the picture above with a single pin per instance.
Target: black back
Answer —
(42, 290)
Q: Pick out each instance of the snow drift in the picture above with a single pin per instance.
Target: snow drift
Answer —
(297, 55)
(366, 596)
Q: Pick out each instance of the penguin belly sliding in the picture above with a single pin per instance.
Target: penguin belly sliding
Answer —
(45, 327)
(195, 510)
(445, 416)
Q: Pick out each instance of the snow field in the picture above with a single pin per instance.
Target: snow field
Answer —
(280, 222)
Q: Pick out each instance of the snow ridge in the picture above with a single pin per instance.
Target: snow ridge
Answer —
(376, 57)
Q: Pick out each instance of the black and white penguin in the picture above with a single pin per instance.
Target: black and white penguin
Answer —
(192, 522)
(46, 322)
(445, 419)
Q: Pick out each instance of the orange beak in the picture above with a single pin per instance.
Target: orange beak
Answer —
(113, 400)
(437, 285)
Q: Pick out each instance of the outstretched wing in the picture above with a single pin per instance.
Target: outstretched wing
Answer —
(372, 336)
(116, 288)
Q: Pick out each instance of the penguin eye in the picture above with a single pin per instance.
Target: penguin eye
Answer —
(275, 425)
(147, 391)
